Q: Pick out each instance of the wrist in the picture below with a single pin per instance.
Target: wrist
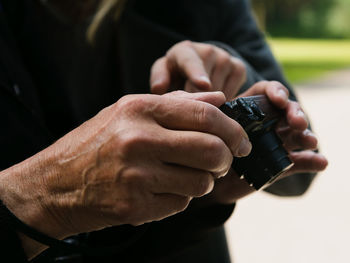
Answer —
(23, 191)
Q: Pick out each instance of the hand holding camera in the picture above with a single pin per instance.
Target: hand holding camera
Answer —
(265, 117)
(268, 159)
(297, 140)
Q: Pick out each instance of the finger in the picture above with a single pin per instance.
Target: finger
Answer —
(160, 77)
(199, 116)
(236, 79)
(191, 88)
(282, 124)
(165, 205)
(180, 180)
(307, 162)
(295, 116)
(208, 54)
(158, 207)
(222, 69)
(215, 98)
(275, 91)
(298, 140)
(184, 58)
(196, 150)
(231, 188)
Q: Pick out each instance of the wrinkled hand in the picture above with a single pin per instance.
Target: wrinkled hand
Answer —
(197, 67)
(140, 160)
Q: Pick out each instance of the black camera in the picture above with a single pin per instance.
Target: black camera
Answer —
(268, 159)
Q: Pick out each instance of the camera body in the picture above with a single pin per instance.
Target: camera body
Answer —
(268, 158)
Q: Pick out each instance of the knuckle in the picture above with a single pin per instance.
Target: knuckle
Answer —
(262, 83)
(132, 142)
(126, 144)
(216, 146)
(177, 93)
(135, 103)
(204, 115)
(124, 210)
(208, 51)
(223, 61)
(131, 177)
(236, 136)
(157, 64)
(295, 105)
(181, 203)
(239, 63)
(240, 69)
(180, 45)
(203, 185)
(125, 101)
(215, 153)
(278, 85)
(294, 108)
(186, 43)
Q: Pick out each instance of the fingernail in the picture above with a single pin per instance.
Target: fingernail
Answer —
(220, 175)
(282, 125)
(323, 157)
(309, 133)
(311, 136)
(283, 94)
(219, 93)
(211, 187)
(205, 79)
(300, 113)
(244, 148)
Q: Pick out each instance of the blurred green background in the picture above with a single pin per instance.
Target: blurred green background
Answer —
(309, 37)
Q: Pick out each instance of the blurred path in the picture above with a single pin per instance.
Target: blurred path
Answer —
(315, 227)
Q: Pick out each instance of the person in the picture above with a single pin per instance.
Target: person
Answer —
(80, 156)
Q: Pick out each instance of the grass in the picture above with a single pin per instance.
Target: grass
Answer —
(304, 59)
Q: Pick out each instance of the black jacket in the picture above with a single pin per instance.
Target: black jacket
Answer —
(146, 31)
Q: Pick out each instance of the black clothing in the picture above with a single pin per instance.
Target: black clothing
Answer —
(48, 72)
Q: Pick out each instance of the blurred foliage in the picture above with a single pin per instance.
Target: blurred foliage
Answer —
(304, 59)
(304, 18)
(339, 18)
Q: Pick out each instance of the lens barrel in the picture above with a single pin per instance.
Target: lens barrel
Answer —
(268, 158)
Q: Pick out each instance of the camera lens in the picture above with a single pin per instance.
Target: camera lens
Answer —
(267, 160)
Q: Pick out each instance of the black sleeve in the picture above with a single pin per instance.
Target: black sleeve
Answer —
(10, 245)
(240, 32)
(239, 35)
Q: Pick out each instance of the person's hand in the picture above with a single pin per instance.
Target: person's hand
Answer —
(197, 67)
(296, 137)
(142, 159)
(293, 129)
